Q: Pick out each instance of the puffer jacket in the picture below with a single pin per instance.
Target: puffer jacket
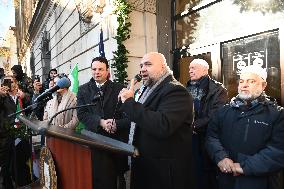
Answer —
(254, 138)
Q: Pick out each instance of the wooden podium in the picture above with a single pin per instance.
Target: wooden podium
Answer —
(73, 163)
(71, 152)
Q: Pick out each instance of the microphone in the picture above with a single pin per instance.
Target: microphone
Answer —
(98, 96)
(64, 82)
(137, 78)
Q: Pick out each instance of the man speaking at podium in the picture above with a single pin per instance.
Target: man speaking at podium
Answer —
(107, 167)
(160, 128)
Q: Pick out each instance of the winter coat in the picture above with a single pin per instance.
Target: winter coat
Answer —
(162, 137)
(107, 165)
(91, 116)
(7, 107)
(253, 138)
(216, 97)
(67, 119)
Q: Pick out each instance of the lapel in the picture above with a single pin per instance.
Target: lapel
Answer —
(158, 88)
(107, 89)
(93, 89)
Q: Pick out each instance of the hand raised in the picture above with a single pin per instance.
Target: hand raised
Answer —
(125, 93)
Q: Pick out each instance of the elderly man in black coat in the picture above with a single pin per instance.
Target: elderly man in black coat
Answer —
(208, 95)
(160, 128)
(108, 167)
(246, 137)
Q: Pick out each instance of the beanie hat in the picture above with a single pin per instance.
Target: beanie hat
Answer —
(255, 69)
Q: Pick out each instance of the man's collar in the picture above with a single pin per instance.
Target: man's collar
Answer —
(99, 85)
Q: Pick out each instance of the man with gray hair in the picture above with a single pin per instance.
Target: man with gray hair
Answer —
(161, 128)
(208, 95)
(245, 138)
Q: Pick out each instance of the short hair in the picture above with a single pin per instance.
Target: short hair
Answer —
(201, 62)
(100, 59)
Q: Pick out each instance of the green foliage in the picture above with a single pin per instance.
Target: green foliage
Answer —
(79, 127)
(265, 7)
(21, 131)
(123, 33)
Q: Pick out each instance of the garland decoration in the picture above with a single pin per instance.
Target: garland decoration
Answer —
(264, 6)
(123, 9)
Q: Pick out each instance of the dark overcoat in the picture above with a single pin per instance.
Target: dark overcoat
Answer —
(163, 137)
(107, 166)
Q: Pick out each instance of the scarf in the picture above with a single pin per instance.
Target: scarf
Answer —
(146, 93)
(198, 90)
(237, 102)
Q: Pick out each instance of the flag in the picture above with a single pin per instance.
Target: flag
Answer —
(101, 44)
(74, 79)
(74, 88)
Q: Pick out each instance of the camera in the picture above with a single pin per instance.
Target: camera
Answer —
(37, 78)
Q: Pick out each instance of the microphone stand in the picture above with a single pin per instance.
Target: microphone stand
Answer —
(30, 107)
(106, 142)
(33, 106)
(71, 108)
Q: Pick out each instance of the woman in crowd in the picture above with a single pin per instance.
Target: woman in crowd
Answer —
(62, 99)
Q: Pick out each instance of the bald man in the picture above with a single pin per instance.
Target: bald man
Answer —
(208, 95)
(161, 121)
(246, 137)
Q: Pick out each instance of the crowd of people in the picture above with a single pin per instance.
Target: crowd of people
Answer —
(189, 136)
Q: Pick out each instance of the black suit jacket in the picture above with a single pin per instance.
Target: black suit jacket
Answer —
(162, 136)
(107, 166)
(108, 109)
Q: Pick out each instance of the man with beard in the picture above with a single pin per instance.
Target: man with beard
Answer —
(246, 137)
(160, 127)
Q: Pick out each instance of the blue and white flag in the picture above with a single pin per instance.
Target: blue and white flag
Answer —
(101, 44)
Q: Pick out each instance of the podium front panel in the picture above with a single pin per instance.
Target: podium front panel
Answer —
(73, 163)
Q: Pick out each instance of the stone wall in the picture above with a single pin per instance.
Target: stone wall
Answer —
(74, 41)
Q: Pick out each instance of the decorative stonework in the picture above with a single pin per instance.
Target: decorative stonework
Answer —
(150, 6)
(90, 13)
(85, 10)
(48, 178)
(144, 5)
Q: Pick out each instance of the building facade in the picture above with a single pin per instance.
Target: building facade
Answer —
(8, 51)
(229, 34)
(64, 33)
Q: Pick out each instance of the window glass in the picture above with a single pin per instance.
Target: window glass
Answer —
(261, 49)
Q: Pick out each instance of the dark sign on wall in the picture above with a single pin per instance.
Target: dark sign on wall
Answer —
(259, 49)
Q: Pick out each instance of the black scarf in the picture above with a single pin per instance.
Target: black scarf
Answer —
(198, 89)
